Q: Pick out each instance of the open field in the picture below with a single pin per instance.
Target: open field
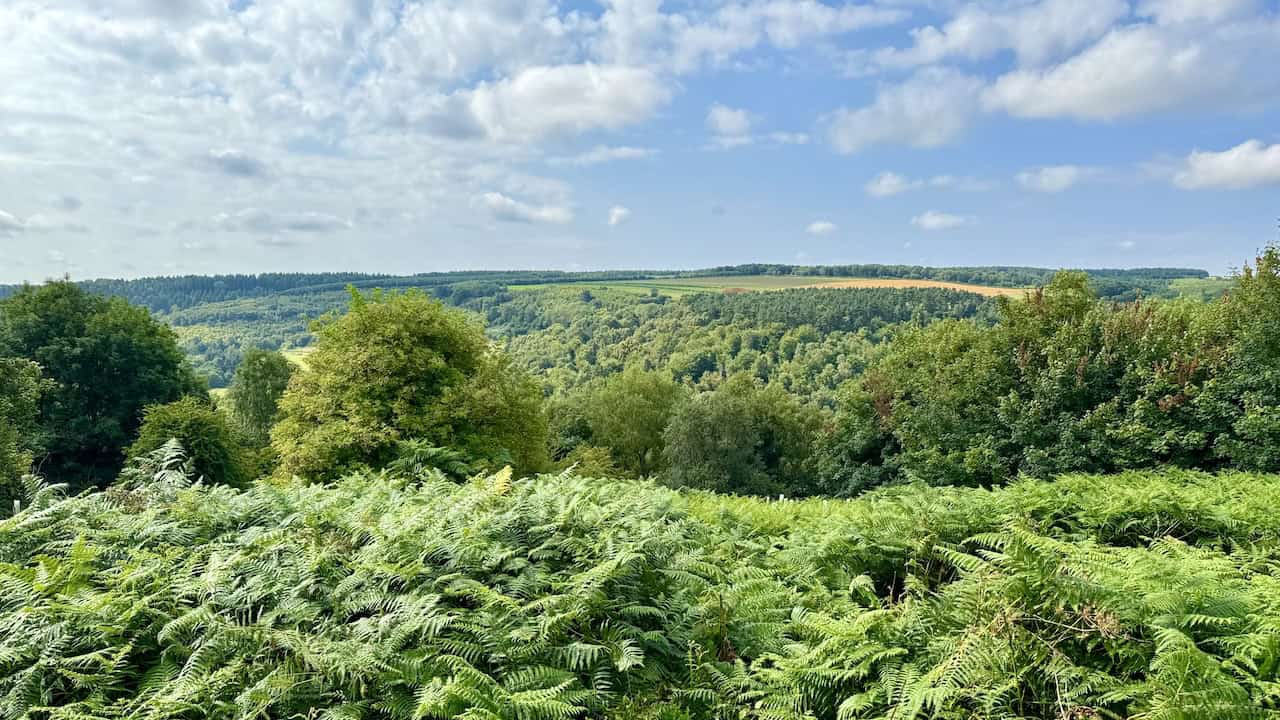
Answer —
(298, 356)
(1201, 288)
(682, 286)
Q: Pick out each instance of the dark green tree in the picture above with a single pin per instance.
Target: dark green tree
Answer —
(742, 439)
(206, 437)
(400, 366)
(106, 360)
(20, 388)
(255, 393)
(1249, 389)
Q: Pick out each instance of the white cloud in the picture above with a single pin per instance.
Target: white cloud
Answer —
(1182, 11)
(539, 102)
(618, 215)
(726, 121)
(789, 138)
(732, 127)
(1249, 164)
(1036, 32)
(960, 182)
(1053, 178)
(507, 209)
(821, 227)
(930, 109)
(603, 154)
(256, 220)
(888, 184)
(1141, 69)
(12, 225)
(934, 220)
(716, 33)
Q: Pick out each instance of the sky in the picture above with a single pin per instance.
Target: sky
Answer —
(162, 137)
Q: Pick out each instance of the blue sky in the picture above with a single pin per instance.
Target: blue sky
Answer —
(142, 137)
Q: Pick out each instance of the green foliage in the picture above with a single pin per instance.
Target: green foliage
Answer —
(1148, 595)
(629, 413)
(403, 367)
(204, 434)
(255, 393)
(20, 388)
(742, 439)
(1063, 383)
(106, 360)
(570, 345)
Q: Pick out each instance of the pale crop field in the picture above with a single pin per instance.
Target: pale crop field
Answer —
(682, 286)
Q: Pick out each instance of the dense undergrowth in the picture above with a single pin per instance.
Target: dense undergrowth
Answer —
(1144, 595)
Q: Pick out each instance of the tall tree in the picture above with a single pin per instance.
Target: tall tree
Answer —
(400, 366)
(742, 439)
(629, 414)
(107, 360)
(255, 392)
(20, 387)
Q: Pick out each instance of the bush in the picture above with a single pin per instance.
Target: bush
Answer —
(203, 433)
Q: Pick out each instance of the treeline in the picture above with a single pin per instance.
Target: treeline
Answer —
(1109, 282)
(164, 294)
(171, 293)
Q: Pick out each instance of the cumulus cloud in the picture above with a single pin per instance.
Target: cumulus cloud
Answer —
(934, 220)
(539, 102)
(888, 184)
(714, 34)
(1183, 11)
(618, 215)
(724, 120)
(604, 154)
(1145, 68)
(11, 224)
(1249, 164)
(256, 220)
(931, 108)
(1035, 32)
(507, 209)
(821, 227)
(730, 127)
(1053, 178)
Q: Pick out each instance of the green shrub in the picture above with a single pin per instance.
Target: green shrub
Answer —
(203, 433)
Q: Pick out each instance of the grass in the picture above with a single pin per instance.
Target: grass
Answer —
(1202, 288)
(676, 287)
(298, 356)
